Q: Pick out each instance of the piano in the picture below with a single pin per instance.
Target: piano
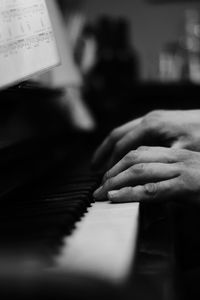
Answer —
(56, 241)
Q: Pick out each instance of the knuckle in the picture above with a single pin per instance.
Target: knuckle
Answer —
(109, 183)
(138, 169)
(131, 156)
(128, 158)
(156, 113)
(181, 154)
(152, 120)
(151, 189)
(107, 176)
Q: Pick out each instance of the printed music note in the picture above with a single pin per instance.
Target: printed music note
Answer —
(27, 42)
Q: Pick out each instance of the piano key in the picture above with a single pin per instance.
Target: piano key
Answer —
(103, 243)
(89, 187)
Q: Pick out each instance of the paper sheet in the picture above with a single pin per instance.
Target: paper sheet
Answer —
(27, 42)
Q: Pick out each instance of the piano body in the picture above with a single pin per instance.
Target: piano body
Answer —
(55, 240)
(44, 196)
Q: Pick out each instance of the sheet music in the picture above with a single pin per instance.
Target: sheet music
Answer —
(27, 42)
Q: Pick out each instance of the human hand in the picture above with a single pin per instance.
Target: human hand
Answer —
(177, 129)
(153, 174)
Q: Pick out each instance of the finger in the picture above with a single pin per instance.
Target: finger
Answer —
(138, 174)
(150, 192)
(128, 126)
(130, 141)
(180, 144)
(107, 146)
(103, 150)
(141, 155)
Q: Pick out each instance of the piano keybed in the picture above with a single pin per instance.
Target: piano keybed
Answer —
(39, 220)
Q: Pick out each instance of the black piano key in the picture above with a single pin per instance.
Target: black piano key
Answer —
(69, 196)
(34, 213)
(50, 213)
(71, 187)
(48, 203)
(38, 227)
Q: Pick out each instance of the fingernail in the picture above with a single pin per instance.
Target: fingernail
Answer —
(112, 194)
(97, 192)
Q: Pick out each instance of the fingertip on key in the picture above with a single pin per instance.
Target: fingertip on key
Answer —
(112, 195)
(97, 193)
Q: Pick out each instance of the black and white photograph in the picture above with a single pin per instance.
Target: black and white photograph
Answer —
(100, 149)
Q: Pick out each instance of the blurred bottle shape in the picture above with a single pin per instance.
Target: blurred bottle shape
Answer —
(110, 65)
(180, 60)
(192, 44)
(117, 61)
(172, 63)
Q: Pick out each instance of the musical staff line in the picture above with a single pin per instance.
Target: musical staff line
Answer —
(27, 42)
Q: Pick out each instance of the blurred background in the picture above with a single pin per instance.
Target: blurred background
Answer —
(154, 26)
(120, 47)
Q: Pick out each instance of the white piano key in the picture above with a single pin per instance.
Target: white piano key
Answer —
(103, 243)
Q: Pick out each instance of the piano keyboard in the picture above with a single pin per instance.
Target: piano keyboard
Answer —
(62, 226)
(103, 242)
(51, 210)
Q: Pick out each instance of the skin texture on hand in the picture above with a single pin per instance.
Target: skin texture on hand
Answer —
(153, 174)
(177, 129)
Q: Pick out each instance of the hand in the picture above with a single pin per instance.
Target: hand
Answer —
(153, 174)
(178, 129)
